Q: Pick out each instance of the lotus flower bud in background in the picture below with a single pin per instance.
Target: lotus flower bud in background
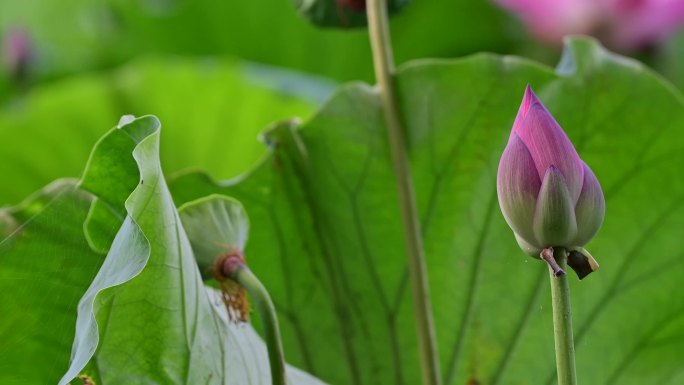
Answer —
(354, 5)
(622, 24)
(548, 195)
(17, 53)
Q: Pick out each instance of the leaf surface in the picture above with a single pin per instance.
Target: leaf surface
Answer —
(146, 317)
(154, 316)
(327, 237)
(45, 266)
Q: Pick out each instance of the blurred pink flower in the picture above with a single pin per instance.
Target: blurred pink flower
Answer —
(624, 24)
(17, 52)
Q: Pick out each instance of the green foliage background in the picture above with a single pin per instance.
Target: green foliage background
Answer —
(319, 191)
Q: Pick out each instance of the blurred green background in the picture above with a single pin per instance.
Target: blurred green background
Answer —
(226, 67)
(223, 67)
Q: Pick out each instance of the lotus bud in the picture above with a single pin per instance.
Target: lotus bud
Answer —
(549, 197)
(354, 5)
(18, 53)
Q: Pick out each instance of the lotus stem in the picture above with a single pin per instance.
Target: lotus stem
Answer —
(562, 322)
(264, 305)
(383, 62)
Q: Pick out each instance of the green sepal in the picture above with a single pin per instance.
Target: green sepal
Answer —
(554, 217)
(582, 262)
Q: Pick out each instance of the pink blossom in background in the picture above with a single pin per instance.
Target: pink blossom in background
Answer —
(623, 24)
(16, 51)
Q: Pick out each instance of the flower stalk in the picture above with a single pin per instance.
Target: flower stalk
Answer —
(383, 62)
(554, 204)
(234, 268)
(217, 227)
(547, 256)
(562, 322)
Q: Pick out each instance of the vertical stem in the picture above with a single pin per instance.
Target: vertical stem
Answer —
(384, 72)
(562, 322)
(276, 357)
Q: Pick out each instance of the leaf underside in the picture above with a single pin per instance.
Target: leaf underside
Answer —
(327, 239)
(146, 317)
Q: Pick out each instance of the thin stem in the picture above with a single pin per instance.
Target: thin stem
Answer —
(547, 256)
(276, 357)
(384, 72)
(562, 322)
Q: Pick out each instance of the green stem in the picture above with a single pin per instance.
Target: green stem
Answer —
(562, 322)
(276, 357)
(384, 72)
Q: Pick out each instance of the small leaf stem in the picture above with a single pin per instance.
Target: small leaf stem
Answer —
(547, 256)
(384, 72)
(562, 322)
(264, 305)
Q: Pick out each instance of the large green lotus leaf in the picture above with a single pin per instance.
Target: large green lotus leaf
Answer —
(147, 312)
(144, 315)
(49, 132)
(327, 238)
(45, 267)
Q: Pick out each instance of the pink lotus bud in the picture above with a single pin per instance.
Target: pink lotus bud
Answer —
(17, 53)
(624, 24)
(548, 195)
